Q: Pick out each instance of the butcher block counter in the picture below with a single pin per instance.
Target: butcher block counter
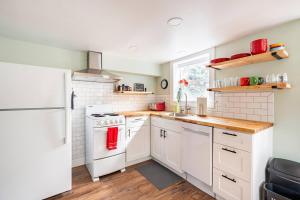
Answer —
(245, 126)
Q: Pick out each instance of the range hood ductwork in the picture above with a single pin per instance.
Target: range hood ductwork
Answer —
(94, 72)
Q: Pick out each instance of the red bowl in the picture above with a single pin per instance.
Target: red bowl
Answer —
(259, 46)
(218, 60)
(240, 55)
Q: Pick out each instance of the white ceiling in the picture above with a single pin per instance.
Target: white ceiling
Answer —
(115, 25)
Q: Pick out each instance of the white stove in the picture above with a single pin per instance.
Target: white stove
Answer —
(99, 160)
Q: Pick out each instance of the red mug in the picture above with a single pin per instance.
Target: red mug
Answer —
(244, 81)
(259, 46)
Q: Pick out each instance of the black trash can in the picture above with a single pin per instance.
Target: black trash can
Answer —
(282, 180)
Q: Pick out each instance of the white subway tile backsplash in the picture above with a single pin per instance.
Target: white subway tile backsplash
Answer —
(254, 117)
(253, 106)
(246, 99)
(261, 99)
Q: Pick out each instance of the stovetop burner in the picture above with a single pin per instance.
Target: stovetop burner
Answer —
(104, 114)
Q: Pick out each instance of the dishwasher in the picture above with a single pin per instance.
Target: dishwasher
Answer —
(197, 152)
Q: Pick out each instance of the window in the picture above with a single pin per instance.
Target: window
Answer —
(193, 69)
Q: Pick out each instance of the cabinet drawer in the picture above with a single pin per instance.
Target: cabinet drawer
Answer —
(137, 121)
(235, 161)
(233, 139)
(166, 124)
(230, 187)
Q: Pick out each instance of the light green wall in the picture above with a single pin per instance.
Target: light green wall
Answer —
(287, 102)
(130, 79)
(122, 64)
(165, 74)
(17, 51)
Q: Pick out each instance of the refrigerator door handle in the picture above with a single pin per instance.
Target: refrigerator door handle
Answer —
(67, 109)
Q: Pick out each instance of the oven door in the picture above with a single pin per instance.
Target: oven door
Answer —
(100, 150)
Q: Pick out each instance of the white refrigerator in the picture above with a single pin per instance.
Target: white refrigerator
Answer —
(35, 132)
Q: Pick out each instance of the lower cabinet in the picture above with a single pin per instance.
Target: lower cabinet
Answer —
(239, 162)
(166, 147)
(138, 143)
(137, 139)
(230, 187)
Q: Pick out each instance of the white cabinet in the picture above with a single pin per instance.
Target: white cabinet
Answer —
(165, 143)
(233, 160)
(239, 163)
(137, 139)
(230, 187)
(197, 152)
(156, 143)
(172, 149)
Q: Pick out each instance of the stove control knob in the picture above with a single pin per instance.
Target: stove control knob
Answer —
(106, 122)
(111, 121)
(120, 121)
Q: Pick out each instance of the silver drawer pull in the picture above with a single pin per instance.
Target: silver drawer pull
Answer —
(225, 149)
(194, 131)
(231, 134)
(137, 120)
(231, 179)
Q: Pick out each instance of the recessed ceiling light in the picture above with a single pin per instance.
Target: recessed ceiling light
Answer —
(132, 47)
(175, 21)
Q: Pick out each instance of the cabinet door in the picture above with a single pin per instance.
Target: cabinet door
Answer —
(138, 143)
(232, 160)
(230, 187)
(172, 150)
(156, 143)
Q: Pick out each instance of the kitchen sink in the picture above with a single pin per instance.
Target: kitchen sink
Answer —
(173, 114)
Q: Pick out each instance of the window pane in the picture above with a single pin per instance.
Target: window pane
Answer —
(198, 77)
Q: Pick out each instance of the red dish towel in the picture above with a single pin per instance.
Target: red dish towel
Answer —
(112, 138)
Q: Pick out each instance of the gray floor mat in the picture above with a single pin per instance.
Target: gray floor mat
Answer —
(158, 175)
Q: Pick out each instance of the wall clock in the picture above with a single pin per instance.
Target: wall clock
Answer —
(164, 84)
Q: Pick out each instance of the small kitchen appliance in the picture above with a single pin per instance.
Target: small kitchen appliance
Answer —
(159, 106)
(202, 106)
(101, 160)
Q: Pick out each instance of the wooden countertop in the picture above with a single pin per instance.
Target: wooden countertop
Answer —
(245, 126)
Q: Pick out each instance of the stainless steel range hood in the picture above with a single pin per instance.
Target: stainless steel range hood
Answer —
(94, 71)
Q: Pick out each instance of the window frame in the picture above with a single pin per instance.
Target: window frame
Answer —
(189, 60)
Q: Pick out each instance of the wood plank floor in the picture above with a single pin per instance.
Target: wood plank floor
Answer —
(130, 185)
